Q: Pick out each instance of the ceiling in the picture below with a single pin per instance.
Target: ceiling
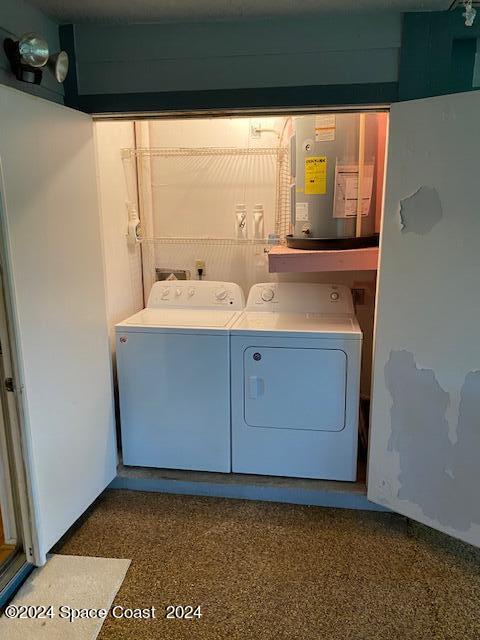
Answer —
(115, 11)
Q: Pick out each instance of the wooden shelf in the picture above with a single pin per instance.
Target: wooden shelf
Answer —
(282, 260)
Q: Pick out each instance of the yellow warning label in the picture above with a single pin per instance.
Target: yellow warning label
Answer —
(315, 175)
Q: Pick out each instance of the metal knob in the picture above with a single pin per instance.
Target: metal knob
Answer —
(221, 294)
(267, 295)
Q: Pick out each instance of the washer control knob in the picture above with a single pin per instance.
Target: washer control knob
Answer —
(191, 292)
(221, 294)
(268, 294)
(334, 295)
(178, 292)
(165, 294)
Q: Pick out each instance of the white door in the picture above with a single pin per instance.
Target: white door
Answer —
(52, 247)
(290, 388)
(424, 458)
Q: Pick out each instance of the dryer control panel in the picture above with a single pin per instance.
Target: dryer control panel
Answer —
(196, 294)
(291, 297)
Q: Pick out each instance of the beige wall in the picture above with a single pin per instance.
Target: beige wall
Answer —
(244, 264)
(123, 273)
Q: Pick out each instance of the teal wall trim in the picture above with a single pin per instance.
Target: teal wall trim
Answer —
(232, 99)
(346, 49)
(227, 65)
(464, 51)
(414, 77)
(437, 54)
(70, 86)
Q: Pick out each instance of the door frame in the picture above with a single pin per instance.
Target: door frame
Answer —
(242, 112)
(7, 497)
(143, 116)
(22, 481)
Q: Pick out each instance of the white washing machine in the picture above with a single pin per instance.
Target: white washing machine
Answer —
(173, 362)
(296, 354)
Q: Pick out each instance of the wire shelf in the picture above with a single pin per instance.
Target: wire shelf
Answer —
(210, 241)
(202, 151)
(138, 163)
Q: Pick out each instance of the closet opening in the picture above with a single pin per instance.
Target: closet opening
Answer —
(270, 199)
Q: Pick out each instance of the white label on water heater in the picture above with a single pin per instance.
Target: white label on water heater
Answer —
(301, 212)
(346, 190)
(325, 126)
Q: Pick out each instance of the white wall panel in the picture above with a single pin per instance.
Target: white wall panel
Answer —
(123, 268)
(52, 240)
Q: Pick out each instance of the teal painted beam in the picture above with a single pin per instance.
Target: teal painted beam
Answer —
(70, 85)
(229, 100)
(462, 66)
(414, 78)
(437, 54)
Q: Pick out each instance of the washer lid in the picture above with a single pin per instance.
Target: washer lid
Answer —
(321, 325)
(181, 318)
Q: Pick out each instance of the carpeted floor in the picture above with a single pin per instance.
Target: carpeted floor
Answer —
(271, 571)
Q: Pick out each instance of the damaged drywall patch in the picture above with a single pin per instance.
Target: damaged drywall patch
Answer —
(438, 476)
(419, 431)
(421, 211)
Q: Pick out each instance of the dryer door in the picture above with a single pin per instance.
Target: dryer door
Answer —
(292, 388)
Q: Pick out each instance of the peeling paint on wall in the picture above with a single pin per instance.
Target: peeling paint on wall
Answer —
(421, 211)
(440, 477)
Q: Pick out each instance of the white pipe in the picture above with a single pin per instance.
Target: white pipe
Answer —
(133, 219)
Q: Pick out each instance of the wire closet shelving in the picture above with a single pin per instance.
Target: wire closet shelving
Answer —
(280, 155)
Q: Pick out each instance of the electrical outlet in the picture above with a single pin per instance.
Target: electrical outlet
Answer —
(358, 296)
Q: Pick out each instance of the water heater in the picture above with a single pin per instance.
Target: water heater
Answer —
(330, 153)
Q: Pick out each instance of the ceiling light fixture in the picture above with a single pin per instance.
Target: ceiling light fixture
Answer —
(58, 65)
(29, 54)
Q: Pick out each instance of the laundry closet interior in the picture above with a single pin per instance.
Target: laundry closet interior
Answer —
(236, 272)
(190, 203)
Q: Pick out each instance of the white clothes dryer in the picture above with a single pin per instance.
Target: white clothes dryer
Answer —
(295, 356)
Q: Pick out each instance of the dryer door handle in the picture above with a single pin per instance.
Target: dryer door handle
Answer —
(256, 387)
